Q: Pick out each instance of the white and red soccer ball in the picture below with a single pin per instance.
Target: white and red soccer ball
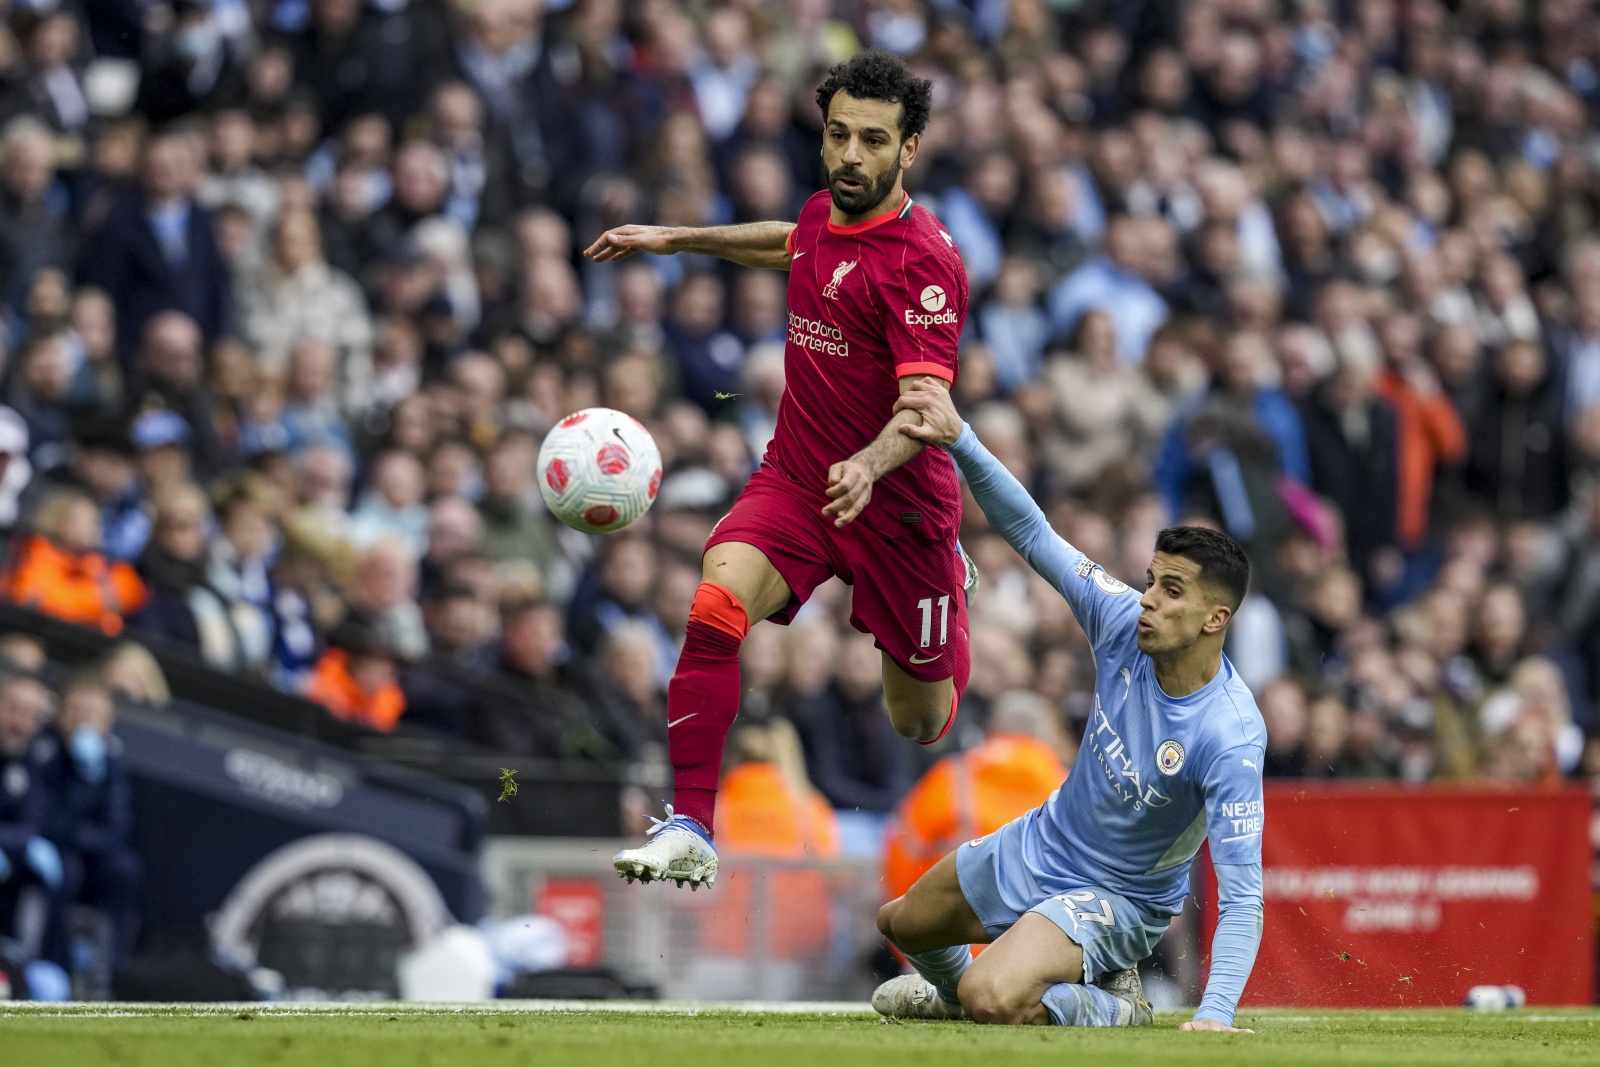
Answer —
(599, 470)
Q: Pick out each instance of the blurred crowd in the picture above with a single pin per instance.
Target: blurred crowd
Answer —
(69, 872)
(291, 294)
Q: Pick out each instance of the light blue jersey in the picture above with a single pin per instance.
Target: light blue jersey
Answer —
(1156, 776)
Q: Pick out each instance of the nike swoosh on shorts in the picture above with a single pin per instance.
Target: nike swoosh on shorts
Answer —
(921, 662)
(686, 718)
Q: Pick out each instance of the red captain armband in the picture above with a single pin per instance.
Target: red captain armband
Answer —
(938, 370)
(788, 241)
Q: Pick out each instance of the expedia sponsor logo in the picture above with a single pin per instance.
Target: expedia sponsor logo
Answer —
(814, 335)
(923, 319)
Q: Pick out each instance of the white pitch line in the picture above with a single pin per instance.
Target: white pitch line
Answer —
(87, 1010)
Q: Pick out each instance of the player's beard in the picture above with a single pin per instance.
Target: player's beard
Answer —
(873, 192)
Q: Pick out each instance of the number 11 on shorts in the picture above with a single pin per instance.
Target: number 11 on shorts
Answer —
(925, 605)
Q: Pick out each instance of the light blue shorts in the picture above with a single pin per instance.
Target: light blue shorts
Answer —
(1113, 931)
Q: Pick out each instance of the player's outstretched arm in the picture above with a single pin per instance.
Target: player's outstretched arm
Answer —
(1233, 946)
(751, 244)
(850, 481)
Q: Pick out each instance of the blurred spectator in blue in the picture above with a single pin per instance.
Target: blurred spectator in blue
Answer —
(1014, 326)
(100, 463)
(30, 865)
(239, 568)
(708, 357)
(392, 506)
(978, 211)
(183, 607)
(1113, 282)
(617, 590)
(1238, 397)
(157, 250)
(92, 820)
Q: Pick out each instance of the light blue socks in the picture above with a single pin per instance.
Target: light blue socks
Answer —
(943, 967)
(1081, 1005)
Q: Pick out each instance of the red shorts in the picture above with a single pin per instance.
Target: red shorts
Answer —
(909, 591)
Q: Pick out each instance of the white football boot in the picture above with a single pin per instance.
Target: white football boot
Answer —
(678, 850)
(1126, 987)
(912, 996)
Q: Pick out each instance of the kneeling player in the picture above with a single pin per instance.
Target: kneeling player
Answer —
(1075, 893)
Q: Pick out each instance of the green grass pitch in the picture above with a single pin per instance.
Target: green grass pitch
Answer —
(532, 1035)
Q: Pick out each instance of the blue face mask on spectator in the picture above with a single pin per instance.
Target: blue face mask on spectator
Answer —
(45, 861)
(89, 752)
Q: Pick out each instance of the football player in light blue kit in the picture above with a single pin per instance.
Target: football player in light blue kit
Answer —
(1075, 893)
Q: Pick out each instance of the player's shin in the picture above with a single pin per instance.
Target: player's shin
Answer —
(703, 700)
(1071, 1004)
(943, 968)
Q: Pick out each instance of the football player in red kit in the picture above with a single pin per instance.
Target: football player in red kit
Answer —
(877, 298)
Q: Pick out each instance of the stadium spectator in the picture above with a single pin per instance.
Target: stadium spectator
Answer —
(1192, 238)
(61, 570)
(30, 865)
(857, 761)
(92, 817)
(1020, 763)
(357, 679)
(157, 249)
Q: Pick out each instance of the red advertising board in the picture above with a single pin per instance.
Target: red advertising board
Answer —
(1389, 896)
(578, 904)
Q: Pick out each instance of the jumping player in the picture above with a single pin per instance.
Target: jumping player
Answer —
(1076, 892)
(877, 298)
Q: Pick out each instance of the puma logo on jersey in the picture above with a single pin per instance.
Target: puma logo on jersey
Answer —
(840, 273)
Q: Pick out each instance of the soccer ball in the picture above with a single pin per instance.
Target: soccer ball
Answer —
(599, 470)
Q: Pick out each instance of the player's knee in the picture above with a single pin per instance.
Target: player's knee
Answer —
(918, 719)
(717, 607)
(886, 917)
(989, 1000)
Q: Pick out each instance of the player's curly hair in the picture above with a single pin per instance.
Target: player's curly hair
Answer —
(873, 74)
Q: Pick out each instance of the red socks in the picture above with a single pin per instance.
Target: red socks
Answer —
(703, 700)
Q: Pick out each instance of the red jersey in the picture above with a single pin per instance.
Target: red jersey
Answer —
(868, 305)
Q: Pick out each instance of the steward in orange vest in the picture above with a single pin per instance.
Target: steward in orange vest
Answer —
(768, 810)
(61, 571)
(975, 792)
(356, 679)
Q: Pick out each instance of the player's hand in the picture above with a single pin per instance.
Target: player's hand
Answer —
(623, 241)
(941, 423)
(849, 490)
(1211, 1026)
